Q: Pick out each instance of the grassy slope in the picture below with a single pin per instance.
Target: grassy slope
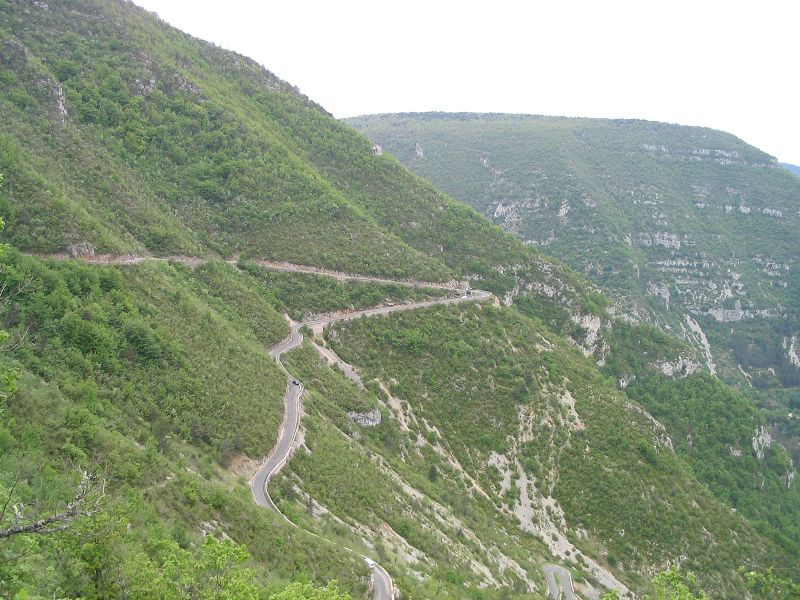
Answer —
(138, 364)
(165, 173)
(158, 377)
(619, 179)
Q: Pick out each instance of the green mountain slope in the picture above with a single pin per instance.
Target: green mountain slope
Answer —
(123, 135)
(691, 228)
(117, 376)
(151, 141)
(545, 449)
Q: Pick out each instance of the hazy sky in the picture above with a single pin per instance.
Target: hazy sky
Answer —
(730, 65)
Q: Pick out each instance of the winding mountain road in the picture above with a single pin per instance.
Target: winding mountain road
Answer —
(559, 582)
(381, 582)
(559, 579)
(270, 265)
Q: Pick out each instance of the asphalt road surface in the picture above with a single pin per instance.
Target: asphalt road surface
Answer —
(381, 582)
(559, 582)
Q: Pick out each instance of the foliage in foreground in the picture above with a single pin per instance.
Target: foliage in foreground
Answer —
(670, 585)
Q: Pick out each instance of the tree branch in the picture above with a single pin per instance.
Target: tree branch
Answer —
(85, 503)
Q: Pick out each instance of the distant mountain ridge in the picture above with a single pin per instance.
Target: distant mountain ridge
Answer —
(793, 168)
(676, 222)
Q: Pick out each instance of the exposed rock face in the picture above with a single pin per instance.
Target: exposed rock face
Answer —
(660, 435)
(728, 315)
(681, 367)
(418, 150)
(58, 92)
(185, 85)
(684, 241)
(81, 250)
(696, 335)
(144, 87)
(660, 238)
(377, 150)
(794, 358)
(591, 324)
(762, 439)
(366, 419)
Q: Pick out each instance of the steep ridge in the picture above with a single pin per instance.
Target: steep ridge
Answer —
(129, 109)
(134, 274)
(536, 449)
(162, 385)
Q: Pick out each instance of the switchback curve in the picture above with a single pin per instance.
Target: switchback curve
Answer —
(383, 588)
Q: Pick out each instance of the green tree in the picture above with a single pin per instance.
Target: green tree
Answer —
(8, 375)
(674, 585)
(769, 586)
(307, 591)
(669, 585)
(217, 574)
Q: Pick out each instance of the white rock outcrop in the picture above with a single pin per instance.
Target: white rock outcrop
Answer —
(680, 367)
(81, 250)
(794, 358)
(371, 418)
(591, 324)
(762, 439)
(659, 238)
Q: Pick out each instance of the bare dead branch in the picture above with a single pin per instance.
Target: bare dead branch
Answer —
(85, 503)
(10, 495)
(20, 288)
(17, 343)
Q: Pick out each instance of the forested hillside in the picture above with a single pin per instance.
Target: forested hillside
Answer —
(543, 427)
(690, 229)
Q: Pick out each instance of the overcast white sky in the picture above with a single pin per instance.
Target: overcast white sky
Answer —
(730, 65)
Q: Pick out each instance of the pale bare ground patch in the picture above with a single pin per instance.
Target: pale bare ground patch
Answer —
(445, 520)
(331, 358)
(438, 519)
(243, 466)
(405, 416)
(536, 510)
